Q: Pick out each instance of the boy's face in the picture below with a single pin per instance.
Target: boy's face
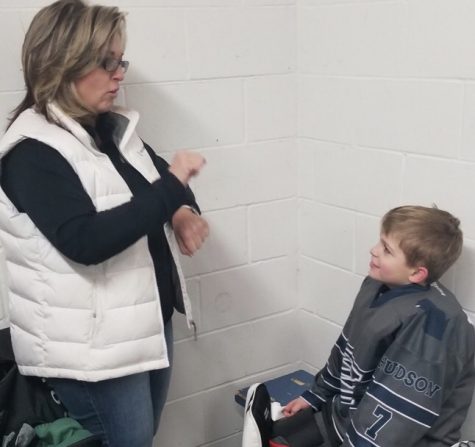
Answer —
(388, 262)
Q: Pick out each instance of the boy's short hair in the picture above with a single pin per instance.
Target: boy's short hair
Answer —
(429, 237)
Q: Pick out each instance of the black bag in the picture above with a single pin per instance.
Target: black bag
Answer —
(23, 399)
(27, 400)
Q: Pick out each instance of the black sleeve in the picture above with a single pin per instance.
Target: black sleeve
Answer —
(41, 183)
(162, 167)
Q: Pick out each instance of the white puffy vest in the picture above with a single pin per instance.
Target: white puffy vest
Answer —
(67, 319)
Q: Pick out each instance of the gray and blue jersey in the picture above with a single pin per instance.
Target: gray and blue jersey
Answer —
(402, 371)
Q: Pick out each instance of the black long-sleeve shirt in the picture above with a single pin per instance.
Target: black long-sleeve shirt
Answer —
(41, 183)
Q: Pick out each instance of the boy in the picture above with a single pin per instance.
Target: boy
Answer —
(402, 371)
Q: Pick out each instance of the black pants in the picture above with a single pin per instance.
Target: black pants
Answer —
(307, 429)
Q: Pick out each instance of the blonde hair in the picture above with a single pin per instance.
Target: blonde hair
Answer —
(429, 237)
(64, 42)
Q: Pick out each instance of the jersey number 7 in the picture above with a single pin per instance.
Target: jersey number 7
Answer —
(384, 416)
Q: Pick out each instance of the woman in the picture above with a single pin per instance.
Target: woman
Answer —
(87, 216)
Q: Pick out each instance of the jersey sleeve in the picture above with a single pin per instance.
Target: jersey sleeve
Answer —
(327, 382)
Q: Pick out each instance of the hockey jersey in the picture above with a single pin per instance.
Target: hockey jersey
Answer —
(402, 371)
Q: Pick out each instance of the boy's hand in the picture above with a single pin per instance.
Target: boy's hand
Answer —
(294, 406)
(190, 230)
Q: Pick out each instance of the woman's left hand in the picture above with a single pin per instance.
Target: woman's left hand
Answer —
(190, 230)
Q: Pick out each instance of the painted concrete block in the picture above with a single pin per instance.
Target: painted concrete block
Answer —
(273, 229)
(327, 234)
(245, 175)
(326, 291)
(156, 45)
(271, 107)
(357, 178)
(232, 42)
(189, 115)
(226, 246)
(341, 39)
(447, 183)
(246, 293)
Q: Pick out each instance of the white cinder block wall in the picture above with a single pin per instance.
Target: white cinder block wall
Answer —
(386, 100)
(218, 76)
(315, 116)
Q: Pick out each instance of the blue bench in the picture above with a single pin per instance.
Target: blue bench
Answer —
(282, 389)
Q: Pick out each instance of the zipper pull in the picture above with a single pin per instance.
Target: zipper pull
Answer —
(195, 332)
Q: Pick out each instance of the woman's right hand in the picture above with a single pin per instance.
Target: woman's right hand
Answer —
(185, 165)
(294, 406)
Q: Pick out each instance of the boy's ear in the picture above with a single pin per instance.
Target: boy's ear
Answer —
(420, 275)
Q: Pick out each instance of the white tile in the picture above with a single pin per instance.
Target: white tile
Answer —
(246, 293)
(11, 77)
(468, 132)
(464, 278)
(156, 45)
(318, 338)
(326, 291)
(412, 116)
(232, 441)
(273, 229)
(224, 356)
(8, 102)
(441, 38)
(367, 236)
(271, 107)
(120, 100)
(241, 41)
(327, 234)
(268, 2)
(211, 360)
(448, 184)
(250, 174)
(17, 4)
(209, 415)
(415, 116)
(329, 2)
(226, 245)
(275, 342)
(341, 39)
(355, 178)
(189, 115)
(200, 418)
(448, 279)
(327, 108)
(306, 170)
(26, 16)
(168, 3)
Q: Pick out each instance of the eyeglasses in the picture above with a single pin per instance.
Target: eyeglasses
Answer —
(111, 64)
